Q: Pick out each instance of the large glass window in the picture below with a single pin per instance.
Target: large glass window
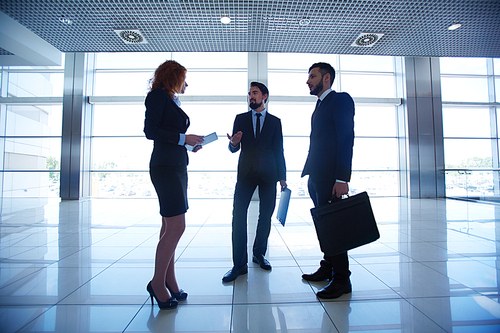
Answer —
(121, 153)
(287, 72)
(461, 66)
(464, 89)
(466, 122)
(31, 137)
(118, 137)
(30, 83)
(369, 84)
(375, 124)
(469, 127)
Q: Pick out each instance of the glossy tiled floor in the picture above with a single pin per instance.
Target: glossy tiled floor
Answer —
(83, 267)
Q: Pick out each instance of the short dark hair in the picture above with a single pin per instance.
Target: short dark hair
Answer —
(323, 69)
(262, 87)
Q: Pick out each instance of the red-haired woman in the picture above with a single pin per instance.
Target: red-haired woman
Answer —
(166, 124)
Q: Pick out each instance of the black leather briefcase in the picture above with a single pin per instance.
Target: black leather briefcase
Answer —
(345, 224)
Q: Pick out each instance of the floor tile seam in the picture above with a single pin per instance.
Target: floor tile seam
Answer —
(102, 226)
(363, 299)
(192, 238)
(276, 303)
(434, 243)
(385, 284)
(409, 298)
(126, 254)
(399, 252)
(444, 275)
(379, 255)
(28, 261)
(31, 248)
(475, 255)
(483, 290)
(231, 318)
(476, 323)
(425, 315)
(36, 318)
(40, 246)
(135, 315)
(80, 287)
(105, 238)
(42, 268)
(10, 242)
(93, 277)
(69, 255)
(26, 276)
(288, 249)
(459, 255)
(18, 241)
(138, 303)
(328, 315)
(472, 235)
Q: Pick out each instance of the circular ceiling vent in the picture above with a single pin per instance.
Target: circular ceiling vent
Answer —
(130, 36)
(366, 39)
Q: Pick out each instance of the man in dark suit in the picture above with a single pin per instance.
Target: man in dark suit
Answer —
(261, 163)
(329, 165)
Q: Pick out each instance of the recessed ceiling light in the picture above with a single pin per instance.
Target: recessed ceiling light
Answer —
(225, 19)
(454, 26)
(304, 22)
(65, 20)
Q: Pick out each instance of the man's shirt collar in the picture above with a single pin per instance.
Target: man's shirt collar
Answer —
(323, 95)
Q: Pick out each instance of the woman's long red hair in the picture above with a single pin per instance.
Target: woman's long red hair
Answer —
(169, 76)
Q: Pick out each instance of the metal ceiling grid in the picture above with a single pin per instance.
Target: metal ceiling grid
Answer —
(5, 52)
(410, 28)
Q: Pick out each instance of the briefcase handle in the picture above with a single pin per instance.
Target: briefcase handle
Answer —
(332, 199)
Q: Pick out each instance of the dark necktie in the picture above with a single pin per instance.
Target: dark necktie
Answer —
(257, 125)
(318, 102)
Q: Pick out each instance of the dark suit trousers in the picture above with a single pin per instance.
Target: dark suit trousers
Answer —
(320, 193)
(242, 197)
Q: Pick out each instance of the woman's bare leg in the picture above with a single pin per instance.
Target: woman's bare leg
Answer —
(171, 231)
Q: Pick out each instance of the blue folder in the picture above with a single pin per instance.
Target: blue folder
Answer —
(283, 205)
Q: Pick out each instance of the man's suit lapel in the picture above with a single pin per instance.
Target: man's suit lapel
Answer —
(248, 124)
(316, 112)
(265, 127)
(319, 109)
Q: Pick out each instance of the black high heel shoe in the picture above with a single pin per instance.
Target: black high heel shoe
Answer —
(170, 304)
(180, 296)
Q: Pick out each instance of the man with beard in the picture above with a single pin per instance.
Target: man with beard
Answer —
(261, 164)
(329, 165)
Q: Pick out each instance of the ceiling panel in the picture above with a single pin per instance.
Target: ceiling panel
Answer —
(409, 28)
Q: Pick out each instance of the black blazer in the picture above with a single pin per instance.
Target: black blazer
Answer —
(265, 152)
(163, 124)
(332, 139)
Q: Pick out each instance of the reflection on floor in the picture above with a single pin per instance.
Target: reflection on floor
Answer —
(83, 267)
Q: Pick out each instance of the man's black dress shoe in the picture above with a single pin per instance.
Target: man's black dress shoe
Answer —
(324, 272)
(263, 263)
(234, 272)
(334, 290)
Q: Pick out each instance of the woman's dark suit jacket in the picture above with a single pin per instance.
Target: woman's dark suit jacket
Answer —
(265, 153)
(163, 124)
(331, 139)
